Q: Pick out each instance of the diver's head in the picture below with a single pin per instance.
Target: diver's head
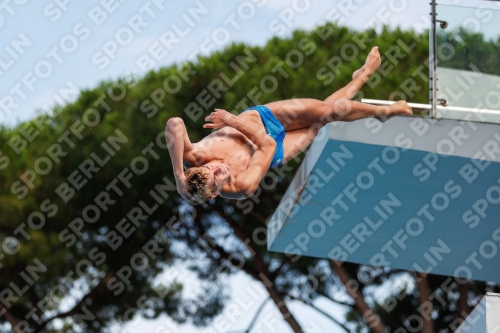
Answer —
(205, 182)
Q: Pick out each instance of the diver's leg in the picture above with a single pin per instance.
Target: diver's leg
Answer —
(298, 140)
(359, 77)
(303, 113)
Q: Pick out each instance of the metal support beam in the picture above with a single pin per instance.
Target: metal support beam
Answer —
(433, 62)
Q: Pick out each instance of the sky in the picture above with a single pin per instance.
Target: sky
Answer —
(49, 45)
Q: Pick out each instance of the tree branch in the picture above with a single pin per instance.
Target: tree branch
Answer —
(352, 288)
(4, 310)
(220, 250)
(463, 308)
(425, 303)
(261, 218)
(352, 306)
(77, 306)
(256, 316)
(264, 274)
(34, 301)
(321, 311)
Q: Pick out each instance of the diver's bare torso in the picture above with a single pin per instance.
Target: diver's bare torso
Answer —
(230, 146)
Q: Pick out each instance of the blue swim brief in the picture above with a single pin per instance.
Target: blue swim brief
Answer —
(274, 129)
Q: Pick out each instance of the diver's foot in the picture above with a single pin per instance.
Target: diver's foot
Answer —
(400, 108)
(372, 62)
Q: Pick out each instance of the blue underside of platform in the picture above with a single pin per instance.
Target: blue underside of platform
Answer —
(447, 237)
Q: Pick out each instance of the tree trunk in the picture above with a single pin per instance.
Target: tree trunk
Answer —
(4, 310)
(426, 306)
(264, 274)
(463, 307)
(352, 288)
(280, 302)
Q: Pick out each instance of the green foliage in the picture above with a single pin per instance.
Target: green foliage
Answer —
(467, 50)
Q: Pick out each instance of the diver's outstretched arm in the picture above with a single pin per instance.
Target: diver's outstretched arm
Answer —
(179, 147)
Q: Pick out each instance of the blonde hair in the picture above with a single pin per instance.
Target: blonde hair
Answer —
(197, 184)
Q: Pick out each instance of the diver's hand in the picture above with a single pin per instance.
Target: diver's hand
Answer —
(219, 118)
(182, 188)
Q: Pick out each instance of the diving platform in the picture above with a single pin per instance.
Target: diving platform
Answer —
(484, 318)
(411, 193)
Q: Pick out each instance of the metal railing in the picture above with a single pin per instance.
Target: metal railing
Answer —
(449, 112)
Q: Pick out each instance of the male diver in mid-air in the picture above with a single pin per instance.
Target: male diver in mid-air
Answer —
(231, 161)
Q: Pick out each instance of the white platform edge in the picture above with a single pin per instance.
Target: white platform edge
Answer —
(492, 313)
(426, 134)
(485, 318)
